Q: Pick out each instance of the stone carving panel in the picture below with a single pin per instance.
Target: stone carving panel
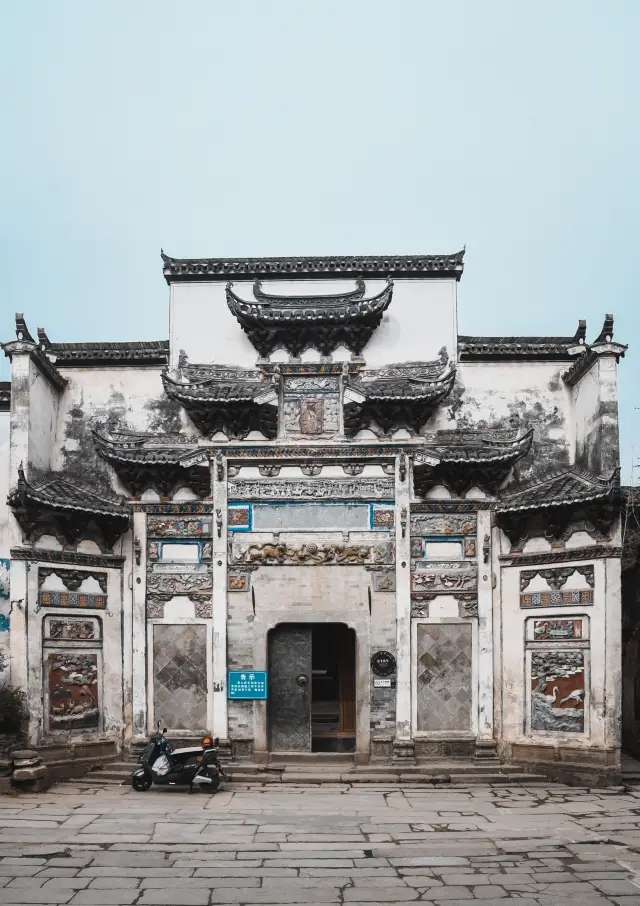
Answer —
(469, 546)
(73, 698)
(444, 663)
(321, 489)
(72, 579)
(308, 384)
(443, 524)
(155, 609)
(556, 599)
(311, 553)
(445, 581)
(180, 675)
(468, 607)
(72, 599)
(556, 576)
(178, 583)
(204, 610)
(558, 691)
(557, 630)
(421, 609)
(178, 527)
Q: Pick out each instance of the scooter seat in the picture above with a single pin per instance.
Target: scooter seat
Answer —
(190, 750)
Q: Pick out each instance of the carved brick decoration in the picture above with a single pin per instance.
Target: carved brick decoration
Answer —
(71, 599)
(421, 609)
(469, 546)
(238, 582)
(155, 609)
(443, 582)
(555, 599)
(311, 553)
(383, 518)
(384, 582)
(178, 528)
(239, 517)
(557, 576)
(204, 610)
(72, 578)
(557, 630)
(443, 524)
(178, 583)
(468, 607)
(557, 691)
(72, 630)
(320, 489)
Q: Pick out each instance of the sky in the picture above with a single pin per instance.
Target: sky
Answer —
(267, 127)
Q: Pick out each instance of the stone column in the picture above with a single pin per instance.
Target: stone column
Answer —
(403, 743)
(485, 743)
(219, 539)
(612, 646)
(139, 628)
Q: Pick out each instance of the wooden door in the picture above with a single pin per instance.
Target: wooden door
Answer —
(290, 689)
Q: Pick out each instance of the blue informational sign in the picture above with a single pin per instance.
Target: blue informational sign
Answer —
(247, 684)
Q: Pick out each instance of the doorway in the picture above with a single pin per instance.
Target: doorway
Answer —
(312, 701)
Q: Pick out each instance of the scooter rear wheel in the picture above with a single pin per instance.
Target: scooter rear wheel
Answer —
(141, 783)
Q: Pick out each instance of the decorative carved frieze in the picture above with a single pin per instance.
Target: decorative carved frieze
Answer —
(556, 577)
(557, 630)
(442, 524)
(443, 582)
(312, 554)
(75, 558)
(73, 690)
(186, 508)
(556, 599)
(311, 384)
(321, 489)
(179, 583)
(597, 552)
(72, 579)
(178, 528)
(72, 599)
(73, 630)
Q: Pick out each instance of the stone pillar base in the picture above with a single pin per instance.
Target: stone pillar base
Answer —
(403, 752)
(486, 750)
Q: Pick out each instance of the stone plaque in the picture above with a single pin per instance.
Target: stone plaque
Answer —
(180, 675)
(444, 664)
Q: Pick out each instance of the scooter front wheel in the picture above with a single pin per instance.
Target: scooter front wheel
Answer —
(141, 782)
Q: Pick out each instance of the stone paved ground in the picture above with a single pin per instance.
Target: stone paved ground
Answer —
(546, 845)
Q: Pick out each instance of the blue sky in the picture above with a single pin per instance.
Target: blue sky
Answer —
(334, 126)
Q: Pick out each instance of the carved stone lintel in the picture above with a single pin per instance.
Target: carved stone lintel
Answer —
(319, 489)
(311, 553)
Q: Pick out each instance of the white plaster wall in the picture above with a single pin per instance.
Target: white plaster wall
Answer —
(586, 399)
(490, 394)
(133, 398)
(111, 690)
(604, 648)
(43, 413)
(419, 321)
(5, 545)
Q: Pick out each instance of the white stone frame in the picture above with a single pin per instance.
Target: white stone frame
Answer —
(362, 629)
(472, 732)
(178, 621)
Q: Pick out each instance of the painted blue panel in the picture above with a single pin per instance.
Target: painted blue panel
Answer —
(247, 684)
(5, 566)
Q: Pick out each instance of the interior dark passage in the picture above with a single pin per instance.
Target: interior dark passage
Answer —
(312, 688)
(333, 705)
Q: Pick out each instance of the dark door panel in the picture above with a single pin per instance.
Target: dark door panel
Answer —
(290, 689)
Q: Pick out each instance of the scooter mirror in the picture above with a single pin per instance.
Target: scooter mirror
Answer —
(216, 742)
(164, 731)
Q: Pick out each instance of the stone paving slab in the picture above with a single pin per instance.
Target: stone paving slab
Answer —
(533, 845)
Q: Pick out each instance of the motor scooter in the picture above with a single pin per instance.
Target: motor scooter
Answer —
(193, 767)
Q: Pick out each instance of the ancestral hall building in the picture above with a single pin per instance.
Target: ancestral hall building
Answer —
(415, 532)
